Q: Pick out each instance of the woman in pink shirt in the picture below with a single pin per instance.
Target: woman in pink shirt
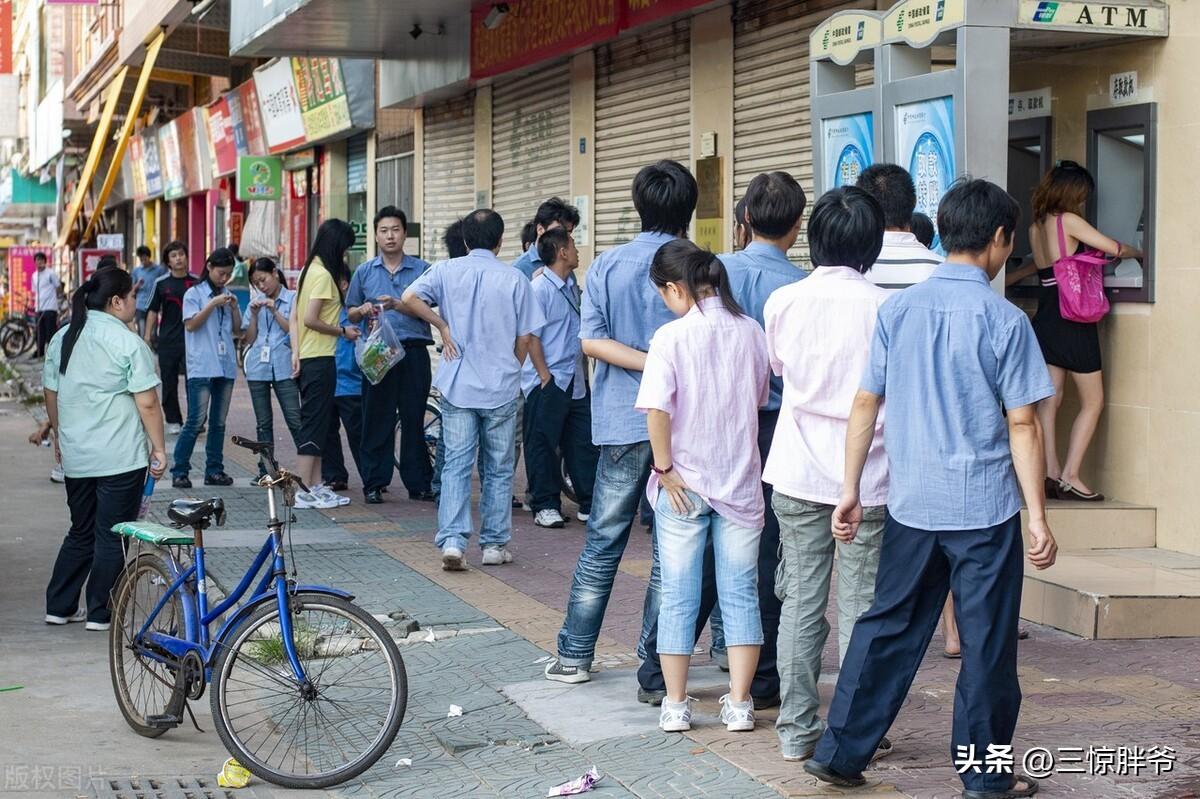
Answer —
(706, 375)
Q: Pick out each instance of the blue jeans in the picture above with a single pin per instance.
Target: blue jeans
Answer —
(620, 485)
(288, 393)
(682, 539)
(207, 401)
(493, 432)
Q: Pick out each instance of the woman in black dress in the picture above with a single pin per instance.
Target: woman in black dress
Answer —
(1069, 347)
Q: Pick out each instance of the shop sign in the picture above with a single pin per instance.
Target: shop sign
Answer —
(925, 145)
(89, 260)
(844, 35)
(251, 120)
(203, 150)
(1027, 105)
(223, 147)
(710, 217)
(321, 93)
(280, 108)
(259, 177)
(535, 30)
(171, 161)
(1123, 87)
(300, 159)
(1135, 19)
(20, 276)
(918, 22)
(185, 132)
(137, 163)
(111, 241)
(6, 38)
(297, 220)
(849, 147)
(152, 164)
(640, 12)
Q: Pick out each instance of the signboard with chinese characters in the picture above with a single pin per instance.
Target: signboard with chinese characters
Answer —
(1027, 105)
(925, 146)
(135, 157)
(152, 164)
(844, 35)
(282, 122)
(849, 147)
(918, 22)
(1123, 87)
(249, 117)
(171, 161)
(223, 147)
(89, 259)
(710, 215)
(259, 177)
(20, 276)
(322, 96)
(6, 38)
(1129, 19)
(524, 36)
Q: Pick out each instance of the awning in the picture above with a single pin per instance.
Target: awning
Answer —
(93, 159)
(135, 108)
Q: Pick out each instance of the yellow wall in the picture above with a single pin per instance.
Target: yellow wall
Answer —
(1146, 448)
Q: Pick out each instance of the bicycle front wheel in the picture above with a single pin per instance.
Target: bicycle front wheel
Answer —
(327, 730)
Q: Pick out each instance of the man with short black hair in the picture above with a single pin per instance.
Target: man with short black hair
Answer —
(904, 261)
(956, 478)
(47, 288)
(558, 416)
(165, 330)
(553, 213)
(621, 310)
(453, 239)
(376, 288)
(145, 278)
(487, 318)
(529, 235)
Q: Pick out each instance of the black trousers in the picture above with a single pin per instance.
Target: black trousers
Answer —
(92, 551)
(47, 325)
(347, 411)
(172, 364)
(402, 393)
(555, 422)
(766, 678)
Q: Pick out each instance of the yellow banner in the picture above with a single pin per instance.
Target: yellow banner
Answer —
(93, 159)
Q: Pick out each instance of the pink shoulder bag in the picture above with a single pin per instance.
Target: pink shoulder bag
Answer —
(1080, 279)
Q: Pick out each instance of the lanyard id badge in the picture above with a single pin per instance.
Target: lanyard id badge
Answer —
(264, 355)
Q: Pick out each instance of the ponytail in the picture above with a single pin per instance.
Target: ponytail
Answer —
(683, 263)
(94, 295)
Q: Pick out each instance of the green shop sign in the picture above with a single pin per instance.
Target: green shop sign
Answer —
(259, 177)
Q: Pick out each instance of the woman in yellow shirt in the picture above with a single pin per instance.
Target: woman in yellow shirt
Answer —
(314, 331)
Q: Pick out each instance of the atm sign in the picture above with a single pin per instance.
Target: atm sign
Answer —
(1045, 12)
(1145, 20)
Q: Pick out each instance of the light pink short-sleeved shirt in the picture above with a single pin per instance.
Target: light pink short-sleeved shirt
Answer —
(709, 370)
(819, 335)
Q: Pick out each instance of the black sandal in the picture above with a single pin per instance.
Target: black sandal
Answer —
(1068, 491)
(1031, 787)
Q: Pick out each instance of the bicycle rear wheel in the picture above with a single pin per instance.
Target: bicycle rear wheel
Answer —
(324, 732)
(15, 340)
(144, 686)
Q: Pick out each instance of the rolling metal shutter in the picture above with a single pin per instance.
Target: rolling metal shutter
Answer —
(531, 149)
(643, 113)
(771, 123)
(449, 168)
(356, 164)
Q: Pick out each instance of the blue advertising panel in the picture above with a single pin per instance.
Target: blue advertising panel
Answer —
(849, 148)
(925, 145)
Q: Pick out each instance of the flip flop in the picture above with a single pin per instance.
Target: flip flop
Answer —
(1031, 787)
(951, 655)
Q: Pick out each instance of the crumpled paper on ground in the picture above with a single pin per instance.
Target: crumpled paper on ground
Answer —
(576, 786)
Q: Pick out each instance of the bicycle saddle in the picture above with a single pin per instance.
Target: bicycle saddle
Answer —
(197, 512)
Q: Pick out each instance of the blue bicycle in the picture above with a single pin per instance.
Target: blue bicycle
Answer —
(308, 689)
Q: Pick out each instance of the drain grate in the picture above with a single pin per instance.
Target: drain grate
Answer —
(164, 788)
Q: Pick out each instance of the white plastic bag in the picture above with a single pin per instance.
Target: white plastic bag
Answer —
(379, 350)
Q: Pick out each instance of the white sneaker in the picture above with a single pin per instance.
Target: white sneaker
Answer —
(737, 716)
(583, 517)
(98, 626)
(174, 429)
(549, 517)
(77, 616)
(57, 475)
(326, 492)
(452, 560)
(306, 500)
(675, 716)
(496, 556)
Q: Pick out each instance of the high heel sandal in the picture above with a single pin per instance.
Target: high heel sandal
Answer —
(1068, 491)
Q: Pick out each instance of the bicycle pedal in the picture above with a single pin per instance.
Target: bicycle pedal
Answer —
(164, 721)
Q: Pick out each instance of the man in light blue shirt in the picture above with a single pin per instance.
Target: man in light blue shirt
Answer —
(558, 416)
(774, 204)
(488, 318)
(211, 318)
(553, 213)
(145, 278)
(378, 285)
(620, 312)
(962, 373)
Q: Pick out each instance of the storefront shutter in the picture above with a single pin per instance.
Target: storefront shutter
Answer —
(643, 114)
(356, 164)
(771, 100)
(449, 169)
(531, 151)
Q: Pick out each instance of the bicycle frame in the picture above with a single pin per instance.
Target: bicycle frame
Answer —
(198, 618)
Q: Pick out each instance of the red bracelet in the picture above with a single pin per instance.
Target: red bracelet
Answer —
(657, 470)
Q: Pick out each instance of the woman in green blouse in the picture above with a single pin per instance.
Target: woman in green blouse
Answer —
(101, 397)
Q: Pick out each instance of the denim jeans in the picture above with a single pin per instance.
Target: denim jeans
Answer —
(802, 583)
(207, 401)
(288, 393)
(491, 431)
(682, 539)
(620, 485)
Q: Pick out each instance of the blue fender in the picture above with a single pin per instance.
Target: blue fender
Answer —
(252, 604)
